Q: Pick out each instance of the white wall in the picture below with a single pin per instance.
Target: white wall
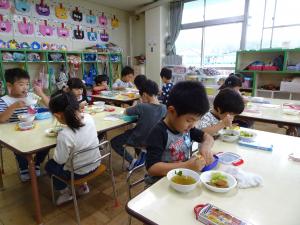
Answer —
(138, 39)
(119, 36)
(156, 20)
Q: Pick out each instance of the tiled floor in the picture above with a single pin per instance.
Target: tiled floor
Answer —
(96, 208)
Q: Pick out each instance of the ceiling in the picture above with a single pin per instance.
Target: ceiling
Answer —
(127, 5)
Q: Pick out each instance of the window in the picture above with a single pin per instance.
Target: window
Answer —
(216, 9)
(193, 12)
(220, 45)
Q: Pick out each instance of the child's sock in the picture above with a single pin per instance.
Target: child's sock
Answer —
(131, 166)
(24, 175)
(38, 170)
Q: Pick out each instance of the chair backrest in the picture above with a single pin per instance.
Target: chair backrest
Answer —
(105, 145)
(132, 183)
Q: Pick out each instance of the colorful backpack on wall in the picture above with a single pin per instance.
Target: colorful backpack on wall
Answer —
(25, 28)
(62, 31)
(91, 19)
(45, 29)
(61, 12)
(78, 34)
(115, 22)
(104, 36)
(42, 9)
(4, 4)
(77, 15)
(5, 26)
(22, 5)
(92, 36)
(103, 20)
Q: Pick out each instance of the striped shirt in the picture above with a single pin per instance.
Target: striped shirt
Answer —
(6, 101)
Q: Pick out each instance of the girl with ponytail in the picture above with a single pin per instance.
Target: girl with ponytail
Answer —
(78, 134)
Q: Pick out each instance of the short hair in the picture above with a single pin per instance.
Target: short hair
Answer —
(139, 81)
(231, 82)
(75, 83)
(126, 70)
(166, 73)
(149, 87)
(188, 97)
(15, 74)
(229, 101)
(101, 78)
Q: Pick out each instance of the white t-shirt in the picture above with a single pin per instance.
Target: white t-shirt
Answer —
(207, 120)
(120, 83)
(69, 141)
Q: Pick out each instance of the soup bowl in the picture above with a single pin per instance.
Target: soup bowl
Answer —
(193, 179)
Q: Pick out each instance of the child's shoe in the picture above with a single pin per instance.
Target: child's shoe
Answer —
(65, 196)
(24, 175)
(83, 189)
(131, 166)
(141, 159)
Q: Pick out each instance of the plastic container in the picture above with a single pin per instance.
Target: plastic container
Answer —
(211, 215)
(212, 165)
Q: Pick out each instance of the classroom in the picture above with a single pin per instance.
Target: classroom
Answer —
(131, 112)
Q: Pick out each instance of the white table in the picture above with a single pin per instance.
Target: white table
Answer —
(121, 97)
(32, 141)
(277, 202)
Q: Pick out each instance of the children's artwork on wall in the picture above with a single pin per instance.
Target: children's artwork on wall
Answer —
(115, 22)
(13, 44)
(63, 31)
(91, 19)
(103, 20)
(2, 44)
(78, 34)
(5, 25)
(42, 9)
(25, 45)
(4, 4)
(25, 27)
(77, 15)
(45, 29)
(22, 6)
(104, 36)
(92, 36)
(61, 12)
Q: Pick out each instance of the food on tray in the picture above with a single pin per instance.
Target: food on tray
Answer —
(179, 178)
(246, 134)
(218, 180)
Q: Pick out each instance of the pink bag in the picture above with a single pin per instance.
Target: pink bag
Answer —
(103, 20)
(62, 31)
(46, 30)
(25, 28)
(5, 26)
(42, 9)
(4, 4)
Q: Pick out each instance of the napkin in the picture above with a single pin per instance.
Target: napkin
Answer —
(245, 179)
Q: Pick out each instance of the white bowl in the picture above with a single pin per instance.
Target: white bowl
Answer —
(290, 112)
(99, 103)
(25, 125)
(185, 172)
(206, 176)
(247, 139)
(26, 117)
(230, 135)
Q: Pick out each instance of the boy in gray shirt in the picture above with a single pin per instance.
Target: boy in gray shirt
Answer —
(148, 113)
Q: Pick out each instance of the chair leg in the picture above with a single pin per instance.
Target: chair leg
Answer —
(1, 160)
(75, 205)
(123, 162)
(129, 220)
(52, 190)
(113, 181)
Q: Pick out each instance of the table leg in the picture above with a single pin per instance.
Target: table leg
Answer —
(1, 183)
(1, 168)
(34, 187)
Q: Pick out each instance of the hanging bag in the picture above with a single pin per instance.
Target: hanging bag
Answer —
(104, 36)
(62, 31)
(45, 29)
(4, 4)
(91, 19)
(42, 9)
(25, 28)
(22, 6)
(77, 15)
(92, 36)
(115, 22)
(78, 34)
(61, 12)
(5, 26)
(103, 20)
